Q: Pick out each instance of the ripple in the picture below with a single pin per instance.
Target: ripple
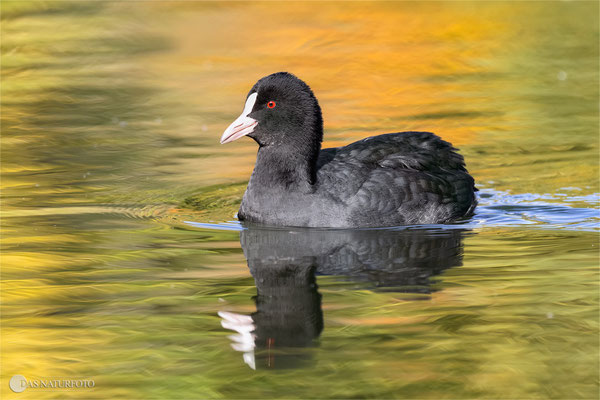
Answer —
(500, 209)
(225, 226)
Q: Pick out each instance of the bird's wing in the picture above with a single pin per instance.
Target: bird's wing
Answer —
(406, 171)
(419, 151)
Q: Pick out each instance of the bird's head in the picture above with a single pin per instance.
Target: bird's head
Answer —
(280, 110)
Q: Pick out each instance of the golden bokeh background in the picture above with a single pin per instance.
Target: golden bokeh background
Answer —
(111, 116)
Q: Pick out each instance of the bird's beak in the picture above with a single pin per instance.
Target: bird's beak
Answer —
(243, 125)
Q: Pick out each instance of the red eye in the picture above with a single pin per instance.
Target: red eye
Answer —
(271, 104)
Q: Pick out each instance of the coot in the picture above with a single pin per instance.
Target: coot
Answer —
(399, 178)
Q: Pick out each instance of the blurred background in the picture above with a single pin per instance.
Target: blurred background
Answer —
(111, 119)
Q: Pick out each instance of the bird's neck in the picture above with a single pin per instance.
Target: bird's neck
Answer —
(285, 166)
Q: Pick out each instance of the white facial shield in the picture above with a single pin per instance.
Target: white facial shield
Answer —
(243, 124)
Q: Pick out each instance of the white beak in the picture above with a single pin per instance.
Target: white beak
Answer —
(243, 125)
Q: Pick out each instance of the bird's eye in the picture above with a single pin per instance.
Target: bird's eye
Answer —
(271, 104)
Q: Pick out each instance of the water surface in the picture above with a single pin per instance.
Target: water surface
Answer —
(122, 261)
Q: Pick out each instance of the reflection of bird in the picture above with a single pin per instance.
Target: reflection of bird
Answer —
(284, 262)
(394, 179)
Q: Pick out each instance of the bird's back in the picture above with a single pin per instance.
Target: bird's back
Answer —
(397, 178)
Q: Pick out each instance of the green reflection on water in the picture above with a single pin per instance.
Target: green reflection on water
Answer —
(111, 114)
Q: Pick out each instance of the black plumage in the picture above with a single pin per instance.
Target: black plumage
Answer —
(393, 179)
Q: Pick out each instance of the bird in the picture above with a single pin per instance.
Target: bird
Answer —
(394, 179)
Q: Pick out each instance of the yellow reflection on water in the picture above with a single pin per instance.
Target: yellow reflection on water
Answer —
(111, 114)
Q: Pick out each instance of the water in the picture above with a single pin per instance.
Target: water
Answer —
(122, 262)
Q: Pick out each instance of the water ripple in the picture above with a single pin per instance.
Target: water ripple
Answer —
(500, 208)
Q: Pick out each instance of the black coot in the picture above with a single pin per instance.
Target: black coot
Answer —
(394, 179)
